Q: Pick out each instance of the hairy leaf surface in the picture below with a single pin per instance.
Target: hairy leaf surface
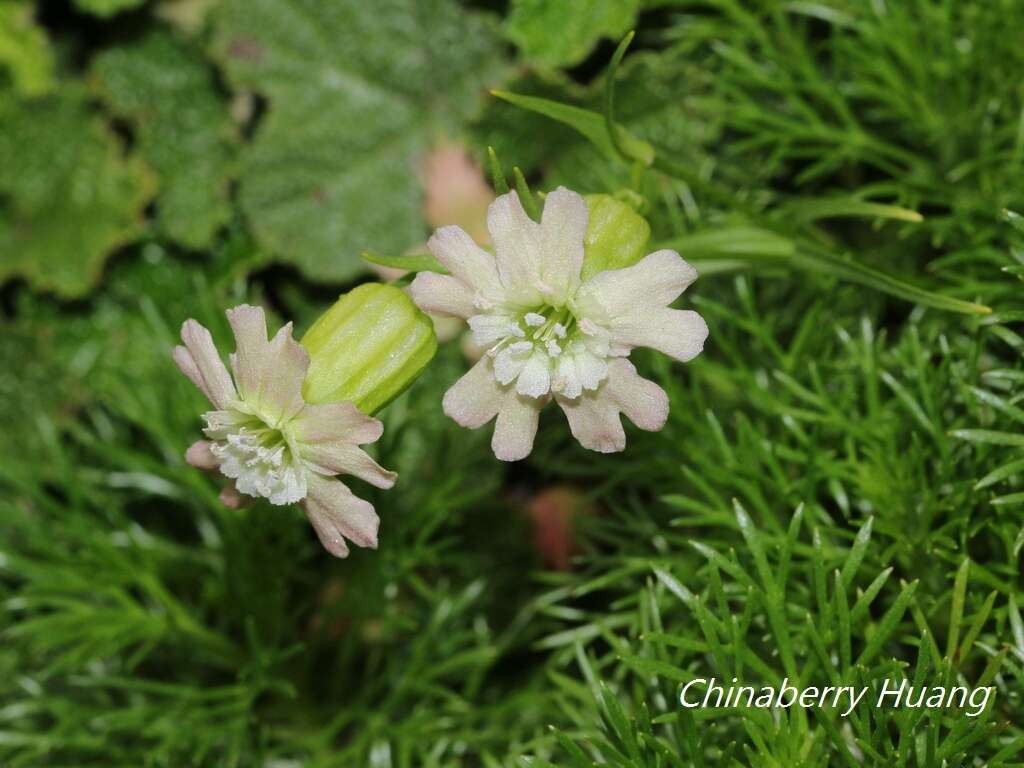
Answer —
(183, 129)
(356, 94)
(68, 195)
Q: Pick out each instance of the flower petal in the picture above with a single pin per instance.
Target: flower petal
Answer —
(199, 360)
(329, 422)
(594, 417)
(677, 333)
(567, 380)
(285, 369)
(516, 426)
(562, 229)
(200, 456)
(476, 398)
(337, 514)
(594, 421)
(578, 370)
(467, 261)
(442, 294)
(517, 245)
(643, 401)
(232, 499)
(491, 328)
(249, 325)
(509, 363)
(654, 281)
(269, 373)
(345, 458)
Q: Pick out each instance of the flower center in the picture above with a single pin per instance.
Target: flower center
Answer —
(548, 328)
(259, 458)
(542, 350)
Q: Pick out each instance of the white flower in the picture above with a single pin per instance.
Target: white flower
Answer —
(549, 334)
(270, 442)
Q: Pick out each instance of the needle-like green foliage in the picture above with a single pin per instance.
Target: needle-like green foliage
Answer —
(836, 498)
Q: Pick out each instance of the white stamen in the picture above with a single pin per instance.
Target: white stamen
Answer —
(260, 470)
(534, 320)
(553, 349)
(559, 330)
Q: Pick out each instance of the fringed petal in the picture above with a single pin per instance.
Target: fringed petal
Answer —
(281, 388)
(594, 421)
(270, 374)
(643, 401)
(249, 325)
(442, 295)
(201, 363)
(655, 281)
(562, 230)
(330, 422)
(341, 458)
(337, 514)
(476, 398)
(468, 262)
(516, 426)
(517, 245)
(594, 417)
(678, 333)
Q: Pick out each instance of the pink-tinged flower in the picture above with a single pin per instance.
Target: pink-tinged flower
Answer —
(271, 443)
(551, 335)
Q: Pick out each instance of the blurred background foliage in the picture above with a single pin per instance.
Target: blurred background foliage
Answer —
(836, 497)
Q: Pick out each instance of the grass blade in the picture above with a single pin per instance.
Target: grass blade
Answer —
(590, 124)
(419, 262)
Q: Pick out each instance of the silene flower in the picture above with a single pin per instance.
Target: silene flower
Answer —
(270, 442)
(551, 334)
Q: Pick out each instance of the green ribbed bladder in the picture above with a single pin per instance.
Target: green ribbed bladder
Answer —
(616, 235)
(367, 348)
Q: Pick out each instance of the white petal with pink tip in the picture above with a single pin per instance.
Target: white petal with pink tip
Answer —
(269, 442)
(547, 335)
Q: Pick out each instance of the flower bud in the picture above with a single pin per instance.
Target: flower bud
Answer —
(553, 513)
(616, 235)
(455, 191)
(367, 348)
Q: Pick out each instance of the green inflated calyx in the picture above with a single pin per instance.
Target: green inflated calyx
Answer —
(367, 348)
(616, 236)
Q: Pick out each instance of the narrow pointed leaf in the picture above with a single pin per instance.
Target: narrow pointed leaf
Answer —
(590, 124)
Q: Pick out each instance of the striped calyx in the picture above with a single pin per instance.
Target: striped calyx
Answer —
(367, 348)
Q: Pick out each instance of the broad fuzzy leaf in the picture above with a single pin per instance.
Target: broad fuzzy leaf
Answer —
(560, 34)
(69, 196)
(107, 8)
(24, 49)
(184, 131)
(356, 94)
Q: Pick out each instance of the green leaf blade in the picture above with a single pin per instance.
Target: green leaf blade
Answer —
(357, 95)
(72, 196)
(184, 132)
